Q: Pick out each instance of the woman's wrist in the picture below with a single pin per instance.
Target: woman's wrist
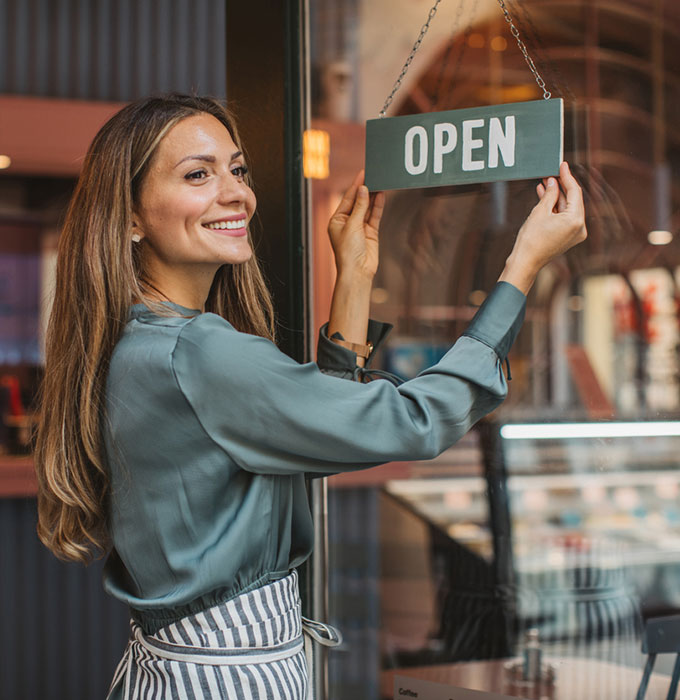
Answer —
(349, 308)
(354, 277)
(519, 273)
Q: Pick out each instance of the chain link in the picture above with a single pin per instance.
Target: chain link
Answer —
(407, 65)
(522, 47)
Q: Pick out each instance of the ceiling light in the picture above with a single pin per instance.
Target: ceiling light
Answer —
(379, 295)
(572, 431)
(477, 297)
(498, 43)
(660, 233)
(659, 237)
(476, 41)
(316, 148)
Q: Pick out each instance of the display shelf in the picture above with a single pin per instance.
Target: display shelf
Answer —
(440, 485)
(564, 497)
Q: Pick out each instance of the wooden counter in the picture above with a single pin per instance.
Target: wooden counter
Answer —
(576, 679)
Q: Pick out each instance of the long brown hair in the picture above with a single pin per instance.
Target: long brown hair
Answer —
(99, 275)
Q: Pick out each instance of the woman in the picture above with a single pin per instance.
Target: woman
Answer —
(174, 433)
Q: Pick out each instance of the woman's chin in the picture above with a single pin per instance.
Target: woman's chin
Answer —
(238, 258)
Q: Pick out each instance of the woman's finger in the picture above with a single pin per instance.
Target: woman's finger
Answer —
(574, 195)
(561, 201)
(561, 204)
(360, 207)
(540, 190)
(347, 201)
(551, 194)
(376, 210)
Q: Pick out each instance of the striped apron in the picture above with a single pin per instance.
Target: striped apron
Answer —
(252, 647)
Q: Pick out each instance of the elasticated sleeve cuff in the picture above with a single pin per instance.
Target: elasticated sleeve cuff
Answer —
(499, 318)
(334, 359)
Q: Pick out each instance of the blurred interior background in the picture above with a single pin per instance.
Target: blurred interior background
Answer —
(576, 534)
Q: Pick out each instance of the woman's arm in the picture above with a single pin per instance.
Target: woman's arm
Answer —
(353, 231)
(272, 415)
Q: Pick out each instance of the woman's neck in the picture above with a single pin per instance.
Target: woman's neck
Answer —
(185, 287)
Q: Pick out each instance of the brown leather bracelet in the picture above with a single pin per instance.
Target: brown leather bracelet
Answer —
(361, 350)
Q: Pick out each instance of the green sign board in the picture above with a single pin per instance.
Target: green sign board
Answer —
(463, 146)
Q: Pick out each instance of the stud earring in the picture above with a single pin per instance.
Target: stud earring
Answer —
(136, 237)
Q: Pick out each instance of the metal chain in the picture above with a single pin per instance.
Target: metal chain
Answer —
(407, 65)
(531, 33)
(522, 47)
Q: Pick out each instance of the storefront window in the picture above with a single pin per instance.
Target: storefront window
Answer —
(513, 540)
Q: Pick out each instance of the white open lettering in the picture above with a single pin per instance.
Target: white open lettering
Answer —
(470, 144)
(440, 148)
(411, 167)
(500, 142)
(501, 145)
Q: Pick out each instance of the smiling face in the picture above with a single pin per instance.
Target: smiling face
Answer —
(193, 210)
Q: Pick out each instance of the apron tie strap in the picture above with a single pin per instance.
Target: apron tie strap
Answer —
(322, 633)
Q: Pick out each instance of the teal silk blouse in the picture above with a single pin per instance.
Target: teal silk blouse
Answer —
(209, 434)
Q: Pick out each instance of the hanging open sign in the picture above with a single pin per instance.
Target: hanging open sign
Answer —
(462, 146)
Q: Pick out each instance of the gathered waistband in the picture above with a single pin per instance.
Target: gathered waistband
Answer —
(264, 617)
(154, 618)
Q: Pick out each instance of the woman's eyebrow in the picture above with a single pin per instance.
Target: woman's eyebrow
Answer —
(208, 158)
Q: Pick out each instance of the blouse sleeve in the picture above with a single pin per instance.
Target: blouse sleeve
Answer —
(341, 362)
(272, 415)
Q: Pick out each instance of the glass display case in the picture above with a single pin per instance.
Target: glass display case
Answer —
(593, 526)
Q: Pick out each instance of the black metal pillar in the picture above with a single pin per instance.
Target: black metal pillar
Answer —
(266, 88)
(500, 523)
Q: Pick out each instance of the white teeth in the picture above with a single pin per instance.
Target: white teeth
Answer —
(239, 223)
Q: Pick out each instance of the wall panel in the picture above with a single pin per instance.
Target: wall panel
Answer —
(111, 50)
(61, 636)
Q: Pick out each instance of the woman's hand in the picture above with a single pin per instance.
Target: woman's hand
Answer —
(555, 224)
(353, 230)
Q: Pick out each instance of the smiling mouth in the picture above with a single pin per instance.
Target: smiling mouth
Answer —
(226, 225)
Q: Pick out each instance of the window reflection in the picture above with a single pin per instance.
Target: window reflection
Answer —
(574, 542)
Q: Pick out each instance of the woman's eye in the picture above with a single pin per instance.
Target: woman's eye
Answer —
(196, 175)
(240, 171)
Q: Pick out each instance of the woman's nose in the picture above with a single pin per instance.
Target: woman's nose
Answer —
(233, 189)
